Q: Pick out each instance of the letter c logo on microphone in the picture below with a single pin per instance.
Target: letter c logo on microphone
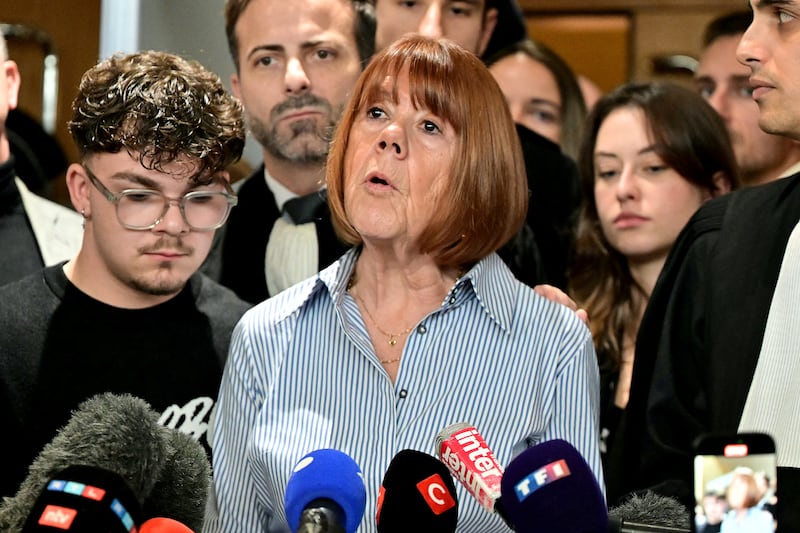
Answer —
(435, 494)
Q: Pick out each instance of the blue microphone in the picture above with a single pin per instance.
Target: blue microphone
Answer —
(325, 494)
(550, 487)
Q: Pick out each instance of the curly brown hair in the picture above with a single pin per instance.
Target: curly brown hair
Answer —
(161, 107)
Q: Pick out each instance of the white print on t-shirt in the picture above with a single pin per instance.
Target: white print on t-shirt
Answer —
(191, 419)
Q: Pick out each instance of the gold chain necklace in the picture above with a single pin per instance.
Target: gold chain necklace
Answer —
(392, 336)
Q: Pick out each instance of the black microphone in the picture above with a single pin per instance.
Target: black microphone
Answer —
(550, 487)
(325, 494)
(84, 499)
(649, 512)
(120, 434)
(417, 494)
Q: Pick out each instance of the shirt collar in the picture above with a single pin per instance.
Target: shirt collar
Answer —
(794, 169)
(490, 281)
(279, 191)
(495, 287)
(337, 276)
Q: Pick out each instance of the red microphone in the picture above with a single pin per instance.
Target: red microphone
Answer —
(462, 448)
(163, 525)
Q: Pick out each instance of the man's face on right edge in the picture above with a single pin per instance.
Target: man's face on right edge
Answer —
(298, 65)
(466, 22)
(771, 49)
(725, 85)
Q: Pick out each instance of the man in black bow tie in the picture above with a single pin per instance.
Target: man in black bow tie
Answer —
(296, 64)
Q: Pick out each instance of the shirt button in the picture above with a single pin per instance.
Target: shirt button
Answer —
(421, 329)
(403, 393)
(452, 300)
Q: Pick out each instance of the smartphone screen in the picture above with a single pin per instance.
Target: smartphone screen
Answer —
(735, 484)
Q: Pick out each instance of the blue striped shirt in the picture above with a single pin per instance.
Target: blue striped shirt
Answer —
(302, 375)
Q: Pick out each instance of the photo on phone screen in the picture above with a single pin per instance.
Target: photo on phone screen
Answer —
(735, 484)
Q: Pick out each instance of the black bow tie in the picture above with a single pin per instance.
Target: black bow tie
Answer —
(304, 209)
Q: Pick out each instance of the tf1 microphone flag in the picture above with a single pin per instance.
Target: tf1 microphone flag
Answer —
(85, 499)
(463, 450)
(550, 487)
(417, 494)
(326, 485)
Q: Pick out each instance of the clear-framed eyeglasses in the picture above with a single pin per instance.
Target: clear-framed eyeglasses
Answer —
(143, 209)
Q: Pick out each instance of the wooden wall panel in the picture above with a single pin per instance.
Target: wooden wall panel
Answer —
(631, 5)
(595, 46)
(664, 33)
(645, 30)
(74, 27)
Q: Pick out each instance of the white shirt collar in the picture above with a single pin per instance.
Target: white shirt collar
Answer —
(794, 169)
(279, 191)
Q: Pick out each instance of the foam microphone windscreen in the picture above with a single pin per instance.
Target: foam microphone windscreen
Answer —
(117, 433)
(84, 499)
(164, 525)
(326, 475)
(649, 511)
(182, 487)
(417, 494)
(550, 487)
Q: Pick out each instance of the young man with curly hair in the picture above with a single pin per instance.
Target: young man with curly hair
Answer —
(129, 313)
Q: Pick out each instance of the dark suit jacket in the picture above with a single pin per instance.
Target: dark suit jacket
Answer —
(701, 336)
(242, 245)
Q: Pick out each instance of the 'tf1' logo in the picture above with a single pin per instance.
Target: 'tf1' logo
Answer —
(538, 479)
(435, 493)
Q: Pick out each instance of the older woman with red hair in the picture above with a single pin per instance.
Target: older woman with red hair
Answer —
(420, 325)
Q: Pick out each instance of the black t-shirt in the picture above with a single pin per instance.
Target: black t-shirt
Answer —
(69, 347)
(163, 354)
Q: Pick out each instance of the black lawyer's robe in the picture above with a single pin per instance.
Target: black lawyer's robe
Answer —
(700, 339)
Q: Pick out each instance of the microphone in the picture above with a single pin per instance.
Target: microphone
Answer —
(84, 499)
(181, 491)
(164, 525)
(167, 474)
(471, 461)
(649, 512)
(325, 494)
(417, 493)
(550, 487)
